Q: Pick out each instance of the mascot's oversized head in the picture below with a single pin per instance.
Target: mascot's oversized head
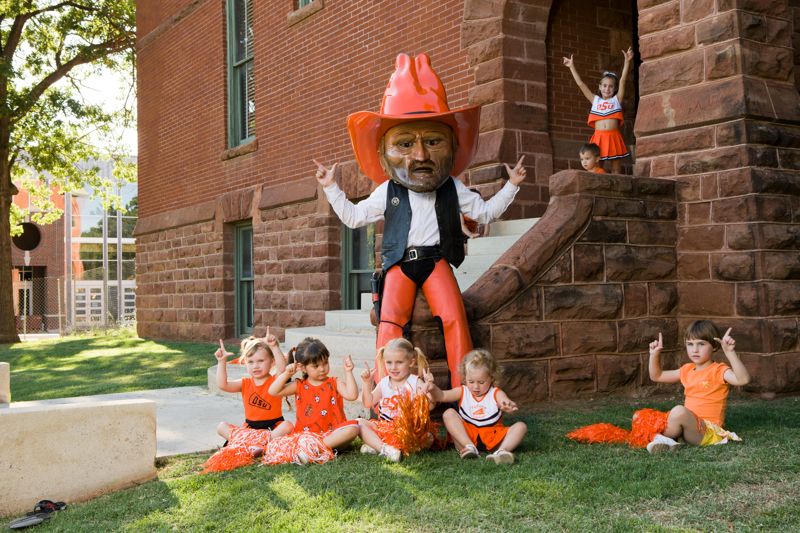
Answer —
(414, 140)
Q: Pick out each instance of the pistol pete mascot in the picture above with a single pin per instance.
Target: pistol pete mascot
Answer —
(412, 148)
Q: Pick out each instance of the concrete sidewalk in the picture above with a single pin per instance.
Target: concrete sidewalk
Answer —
(186, 417)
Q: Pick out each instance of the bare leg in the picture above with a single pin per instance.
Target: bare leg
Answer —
(341, 436)
(682, 423)
(282, 429)
(455, 427)
(513, 437)
(368, 434)
(616, 166)
(224, 430)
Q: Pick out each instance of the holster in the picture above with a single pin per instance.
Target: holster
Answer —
(376, 284)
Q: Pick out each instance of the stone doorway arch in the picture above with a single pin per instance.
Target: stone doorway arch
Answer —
(509, 47)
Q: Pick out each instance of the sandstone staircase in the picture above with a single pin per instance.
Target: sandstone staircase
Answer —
(350, 332)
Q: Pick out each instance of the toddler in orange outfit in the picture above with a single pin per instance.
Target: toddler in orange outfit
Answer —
(700, 419)
(590, 158)
(478, 421)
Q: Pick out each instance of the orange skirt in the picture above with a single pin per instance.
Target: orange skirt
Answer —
(611, 143)
(489, 436)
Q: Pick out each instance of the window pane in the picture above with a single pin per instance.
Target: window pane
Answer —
(240, 30)
(246, 253)
(248, 299)
(363, 252)
(250, 102)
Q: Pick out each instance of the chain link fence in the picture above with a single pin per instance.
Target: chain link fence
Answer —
(56, 305)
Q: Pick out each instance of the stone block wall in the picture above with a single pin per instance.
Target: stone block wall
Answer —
(572, 306)
(720, 116)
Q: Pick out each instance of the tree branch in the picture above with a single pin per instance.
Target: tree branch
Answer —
(86, 55)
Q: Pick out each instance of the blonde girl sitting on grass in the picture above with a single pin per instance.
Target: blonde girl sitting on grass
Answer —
(478, 422)
(400, 358)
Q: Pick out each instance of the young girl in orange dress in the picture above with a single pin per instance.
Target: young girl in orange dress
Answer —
(399, 398)
(478, 423)
(262, 411)
(321, 425)
(606, 113)
(706, 385)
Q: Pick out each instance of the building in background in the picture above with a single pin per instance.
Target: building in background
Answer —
(233, 234)
(81, 273)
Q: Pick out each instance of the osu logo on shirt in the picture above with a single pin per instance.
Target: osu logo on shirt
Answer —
(257, 401)
(605, 106)
(478, 410)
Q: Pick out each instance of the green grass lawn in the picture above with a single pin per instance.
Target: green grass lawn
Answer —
(88, 364)
(556, 485)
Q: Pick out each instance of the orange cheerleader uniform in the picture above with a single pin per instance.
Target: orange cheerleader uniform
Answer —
(320, 408)
(261, 409)
(483, 418)
(611, 143)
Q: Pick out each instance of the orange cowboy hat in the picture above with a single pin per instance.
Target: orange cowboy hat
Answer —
(414, 92)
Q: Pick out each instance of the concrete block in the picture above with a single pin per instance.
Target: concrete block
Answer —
(74, 452)
(5, 383)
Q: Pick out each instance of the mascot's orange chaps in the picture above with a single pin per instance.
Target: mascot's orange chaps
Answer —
(444, 298)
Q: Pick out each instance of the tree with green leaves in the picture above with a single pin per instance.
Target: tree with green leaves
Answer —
(47, 131)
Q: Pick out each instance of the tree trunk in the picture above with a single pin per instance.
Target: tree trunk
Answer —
(8, 322)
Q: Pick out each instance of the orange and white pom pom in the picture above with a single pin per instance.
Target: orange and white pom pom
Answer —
(646, 423)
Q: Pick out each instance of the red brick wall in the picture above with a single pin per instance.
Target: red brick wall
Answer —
(595, 33)
(309, 76)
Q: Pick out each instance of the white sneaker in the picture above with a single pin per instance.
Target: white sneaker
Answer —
(369, 450)
(501, 457)
(469, 452)
(662, 444)
(390, 453)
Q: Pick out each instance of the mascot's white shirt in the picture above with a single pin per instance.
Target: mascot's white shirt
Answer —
(424, 230)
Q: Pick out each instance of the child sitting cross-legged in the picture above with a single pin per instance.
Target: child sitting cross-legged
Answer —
(706, 385)
(403, 424)
(319, 403)
(478, 421)
(263, 413)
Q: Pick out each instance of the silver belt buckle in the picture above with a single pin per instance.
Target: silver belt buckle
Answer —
(412, 255)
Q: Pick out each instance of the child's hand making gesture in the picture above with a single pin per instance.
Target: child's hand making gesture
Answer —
(657, 345)
(727, 343)
(366, 374)
(221, 354)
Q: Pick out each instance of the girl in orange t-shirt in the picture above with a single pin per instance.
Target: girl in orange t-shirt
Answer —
(262, 411)
(319, 399)
(706, 385)
(478, 421)
(606, 113)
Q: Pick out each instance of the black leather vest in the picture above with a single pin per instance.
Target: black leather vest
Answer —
(397, 218)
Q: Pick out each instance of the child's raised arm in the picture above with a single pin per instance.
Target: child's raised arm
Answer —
(439, 395)
(348, 390)
(582, 86)
(279, 387)
(369, 397)
(625, 68)
(277, 353)
(654, 365)
(738, 374)
(222, 371)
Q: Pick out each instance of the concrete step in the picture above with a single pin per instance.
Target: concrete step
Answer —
(511, 227)
(491, 246)
(348, 320)
(359, 344)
